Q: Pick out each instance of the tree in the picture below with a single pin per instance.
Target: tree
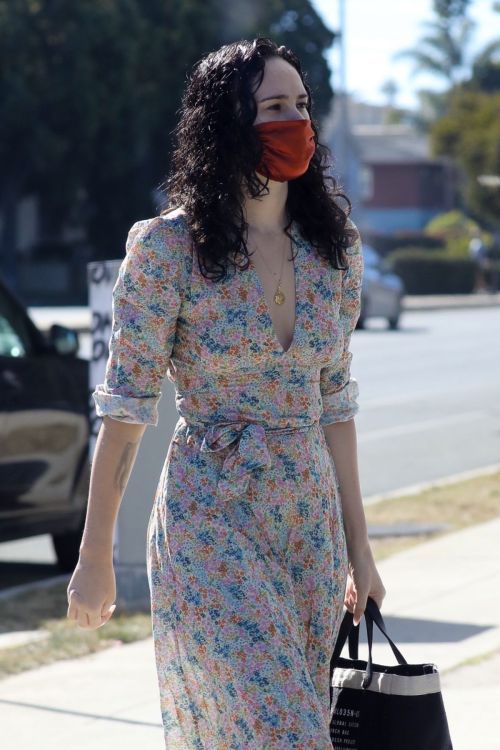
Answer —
(470, 133)
(442, 52)
(296, 24)
(66, 75)
(486, 68)
(90, 93)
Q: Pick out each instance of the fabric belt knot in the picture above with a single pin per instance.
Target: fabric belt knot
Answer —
(250, 452)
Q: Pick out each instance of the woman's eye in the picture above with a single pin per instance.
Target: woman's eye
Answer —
(302, 105)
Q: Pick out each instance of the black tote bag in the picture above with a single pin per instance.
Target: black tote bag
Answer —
(376, 707)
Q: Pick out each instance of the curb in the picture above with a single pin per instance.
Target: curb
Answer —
(449, 302)
(23, 588)
(472, 661)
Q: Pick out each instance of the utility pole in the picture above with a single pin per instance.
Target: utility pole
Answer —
(341, 145)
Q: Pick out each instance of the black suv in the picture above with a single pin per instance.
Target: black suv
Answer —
(44, 432)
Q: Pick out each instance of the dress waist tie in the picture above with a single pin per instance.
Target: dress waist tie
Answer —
(250, 452)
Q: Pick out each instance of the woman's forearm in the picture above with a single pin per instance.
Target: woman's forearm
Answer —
(114, 456)
(342, 442)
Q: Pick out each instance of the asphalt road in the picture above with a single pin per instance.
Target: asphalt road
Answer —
(429, 397)
(429, 407)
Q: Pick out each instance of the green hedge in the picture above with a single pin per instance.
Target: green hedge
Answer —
(434, 272)
(389, 243)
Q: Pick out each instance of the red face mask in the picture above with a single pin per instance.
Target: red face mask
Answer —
(288, 147)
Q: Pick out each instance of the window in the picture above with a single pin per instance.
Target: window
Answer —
(14, 335)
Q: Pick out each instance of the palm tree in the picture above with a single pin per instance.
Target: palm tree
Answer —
(486, 67)
(442, 52)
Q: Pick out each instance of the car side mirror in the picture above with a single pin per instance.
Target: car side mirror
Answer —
(64, 340)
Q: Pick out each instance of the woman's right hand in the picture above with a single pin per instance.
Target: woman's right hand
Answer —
(91, 593)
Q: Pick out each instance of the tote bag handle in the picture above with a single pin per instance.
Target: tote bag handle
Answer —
(347, 628)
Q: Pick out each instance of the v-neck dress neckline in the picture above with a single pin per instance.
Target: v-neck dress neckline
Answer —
(296, 249)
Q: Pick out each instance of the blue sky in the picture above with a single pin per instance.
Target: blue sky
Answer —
(376, 30)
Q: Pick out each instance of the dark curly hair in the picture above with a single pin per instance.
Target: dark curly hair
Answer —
(217, 150)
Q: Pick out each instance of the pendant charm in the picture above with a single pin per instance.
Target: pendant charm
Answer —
(279, 297)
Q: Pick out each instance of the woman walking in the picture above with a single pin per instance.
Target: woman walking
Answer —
(245, 293)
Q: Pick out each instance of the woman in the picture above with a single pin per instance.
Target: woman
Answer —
(240, 295)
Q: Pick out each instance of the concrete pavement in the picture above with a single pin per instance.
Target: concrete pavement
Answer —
(441, 606)
(106, 700)
(471, 696)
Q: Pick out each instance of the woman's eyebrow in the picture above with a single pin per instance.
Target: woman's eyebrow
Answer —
(282, 96)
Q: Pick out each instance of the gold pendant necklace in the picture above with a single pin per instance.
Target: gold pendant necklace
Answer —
(279, 295)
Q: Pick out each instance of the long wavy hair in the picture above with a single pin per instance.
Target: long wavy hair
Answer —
(217, 150)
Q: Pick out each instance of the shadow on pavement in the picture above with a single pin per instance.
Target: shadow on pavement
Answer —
(411, 630)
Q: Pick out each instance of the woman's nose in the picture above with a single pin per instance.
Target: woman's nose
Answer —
(295, 114)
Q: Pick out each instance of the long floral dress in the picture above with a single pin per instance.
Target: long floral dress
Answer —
(246, 551)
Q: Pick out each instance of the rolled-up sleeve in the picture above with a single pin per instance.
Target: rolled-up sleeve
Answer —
(339, 389)
(145, 304)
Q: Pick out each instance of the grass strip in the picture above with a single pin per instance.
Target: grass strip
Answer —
(466, 503)
(45, 609)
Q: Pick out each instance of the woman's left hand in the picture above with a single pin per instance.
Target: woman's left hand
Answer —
(363, 581)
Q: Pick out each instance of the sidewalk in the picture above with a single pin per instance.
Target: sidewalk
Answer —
(79, 318)
(445, 301)
(441, 606)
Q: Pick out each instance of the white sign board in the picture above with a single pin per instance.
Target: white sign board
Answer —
(101, 276)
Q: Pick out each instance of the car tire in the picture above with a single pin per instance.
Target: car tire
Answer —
(360, 323)
(67, 548)
(393, 322)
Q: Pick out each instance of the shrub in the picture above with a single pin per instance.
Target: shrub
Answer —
(455, 229)
(388, 243)
(432, 273)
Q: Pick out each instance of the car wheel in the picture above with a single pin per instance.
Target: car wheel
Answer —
(362, 314)
(394, 321)
(67, 548)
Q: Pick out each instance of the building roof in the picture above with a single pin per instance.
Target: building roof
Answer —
(391, 144)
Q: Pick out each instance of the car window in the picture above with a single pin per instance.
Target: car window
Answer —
(15, 340)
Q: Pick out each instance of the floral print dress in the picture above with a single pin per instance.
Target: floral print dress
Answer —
(246, 552)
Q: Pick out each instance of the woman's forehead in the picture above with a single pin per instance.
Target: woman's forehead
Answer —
(278, 75)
